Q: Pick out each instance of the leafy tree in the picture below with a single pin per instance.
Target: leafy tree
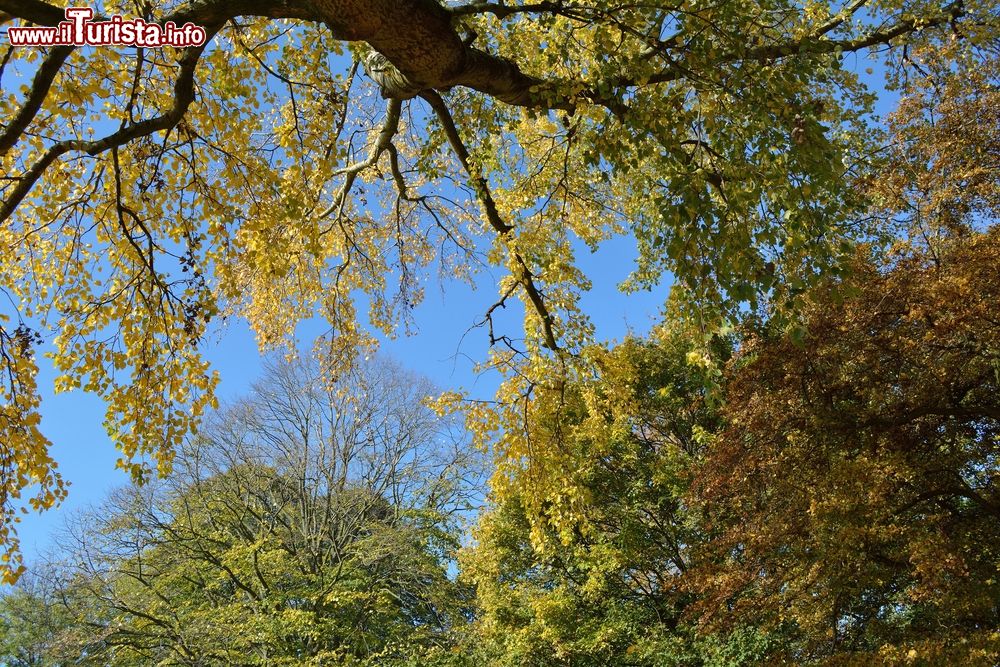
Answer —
(854, 491)
(940, 179)
(855, 487)
(844, 508)
(844, 499)
(596, 574)
(36, 629)
(261, 176)
(308, 524)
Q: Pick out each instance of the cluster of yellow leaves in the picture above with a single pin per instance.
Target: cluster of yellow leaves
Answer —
(550, 438)
(124, 258)
(941, 173)
(24, 458)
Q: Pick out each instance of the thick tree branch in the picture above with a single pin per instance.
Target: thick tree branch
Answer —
(35, 11)
(882, 36)
(420, 50)
(210, 14)
(502, 11)
(382, 143)
(812, 44)
(36, 95)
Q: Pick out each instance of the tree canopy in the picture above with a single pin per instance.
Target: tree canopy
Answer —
(828, 499)
(838, 506)
(854, 489)
(301, 527)
(325, 157)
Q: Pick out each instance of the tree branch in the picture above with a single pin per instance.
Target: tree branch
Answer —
(39, 90)
(183, 96)
(382, 143)
(522, 273)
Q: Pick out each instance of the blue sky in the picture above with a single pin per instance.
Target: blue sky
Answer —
(444, 348)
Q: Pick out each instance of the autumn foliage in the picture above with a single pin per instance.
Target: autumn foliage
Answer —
(795, 464)
(854, 489)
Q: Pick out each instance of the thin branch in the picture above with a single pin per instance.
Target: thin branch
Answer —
(522, 273)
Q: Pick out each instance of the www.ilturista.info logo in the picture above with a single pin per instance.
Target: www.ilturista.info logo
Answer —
(79, 30)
